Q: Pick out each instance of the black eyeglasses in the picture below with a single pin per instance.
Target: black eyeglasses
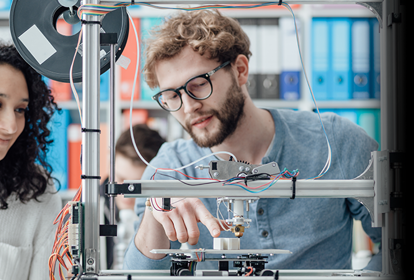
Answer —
(198, 88)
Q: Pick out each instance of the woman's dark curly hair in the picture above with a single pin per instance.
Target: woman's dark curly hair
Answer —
(24, 170)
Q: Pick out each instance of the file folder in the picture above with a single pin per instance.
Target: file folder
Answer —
(290, 61)
(57, 155)
(375, 60)
(268, 58)
(5, 5)
(341, 59)
(361, 58)
(320, 54)
(127, 75)
(74, 155)
(369, 120)
(250, 27)
(146, 25)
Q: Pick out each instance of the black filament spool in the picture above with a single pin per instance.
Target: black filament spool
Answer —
(43, 14)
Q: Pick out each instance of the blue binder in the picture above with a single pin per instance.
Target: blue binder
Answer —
(290, 61)
(104, 86)
(146, 25)
(321, 80)
(57, 156)
(350, 114)
(5, 5)
(341, 58)
(289, 85)
(361, 58)
(375, 60)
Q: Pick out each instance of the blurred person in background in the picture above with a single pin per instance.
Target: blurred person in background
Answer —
(128, 166)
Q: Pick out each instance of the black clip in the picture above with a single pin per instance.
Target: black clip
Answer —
(280, 3)
(91, 130)
(91, 22)
(83, 177)
(293, 188)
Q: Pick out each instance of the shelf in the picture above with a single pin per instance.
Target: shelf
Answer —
(270, 103)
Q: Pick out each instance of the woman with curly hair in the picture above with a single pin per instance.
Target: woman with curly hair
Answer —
(28, 199)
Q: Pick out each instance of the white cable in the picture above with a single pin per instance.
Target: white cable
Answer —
(131, 107)
(328, 161)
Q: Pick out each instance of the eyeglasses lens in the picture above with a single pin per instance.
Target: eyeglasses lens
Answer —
(198, 88)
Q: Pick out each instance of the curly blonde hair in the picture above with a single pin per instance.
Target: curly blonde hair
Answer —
(206, 31)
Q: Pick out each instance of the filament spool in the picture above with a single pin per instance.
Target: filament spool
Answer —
(34, 33)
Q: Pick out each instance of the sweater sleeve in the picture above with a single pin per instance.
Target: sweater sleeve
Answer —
(48, 209)
(171, 155)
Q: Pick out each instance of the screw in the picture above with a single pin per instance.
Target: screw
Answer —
(241, 168)
(90, 261)
(215, 174)
(131, 188)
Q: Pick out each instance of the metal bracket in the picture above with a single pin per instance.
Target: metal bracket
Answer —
(393, 18)
(368, 202)
(126, 188)
(375, 8)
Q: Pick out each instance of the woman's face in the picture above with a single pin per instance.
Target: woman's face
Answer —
(14, 99)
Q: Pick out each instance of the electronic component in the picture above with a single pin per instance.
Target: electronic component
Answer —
(223, 170)
(74, 233)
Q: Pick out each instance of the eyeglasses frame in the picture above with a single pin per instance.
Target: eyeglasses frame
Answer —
(184, 87)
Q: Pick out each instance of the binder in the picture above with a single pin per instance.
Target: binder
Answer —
(57, 155)
(127, 75)
(361, 58)
(341, 59)
(104, 150)
(268, 59)
(375, 59)
(350, 114)
(104, 86)
(146, 25)
(60, 91)
(320, 54)
(290, 61)
(5, 6)
(250, 27)
(138, 116)
(74, 152)
(369, 120)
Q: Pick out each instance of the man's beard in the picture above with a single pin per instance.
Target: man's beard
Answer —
(229, 116)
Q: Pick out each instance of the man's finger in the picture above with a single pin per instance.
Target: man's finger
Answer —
(212, 224)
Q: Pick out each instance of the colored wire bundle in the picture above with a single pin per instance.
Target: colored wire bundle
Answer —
(60, 248)
(237, 181)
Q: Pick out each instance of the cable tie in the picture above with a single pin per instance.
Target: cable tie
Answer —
(91, 22)
(293, 188)
(132, 2)
(90, 177)
(91, 130)
(280, 2)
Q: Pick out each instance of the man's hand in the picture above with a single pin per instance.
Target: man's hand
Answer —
(159, 227)
(181, 222)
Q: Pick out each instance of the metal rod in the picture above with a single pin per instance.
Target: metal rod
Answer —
(112, 133)
(304, 188)
(90, 142)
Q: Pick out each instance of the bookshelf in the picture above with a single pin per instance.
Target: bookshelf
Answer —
(304, 13)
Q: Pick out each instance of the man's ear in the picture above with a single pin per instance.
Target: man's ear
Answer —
(241, 67)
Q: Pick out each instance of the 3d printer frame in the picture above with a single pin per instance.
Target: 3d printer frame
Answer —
(380, 191)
